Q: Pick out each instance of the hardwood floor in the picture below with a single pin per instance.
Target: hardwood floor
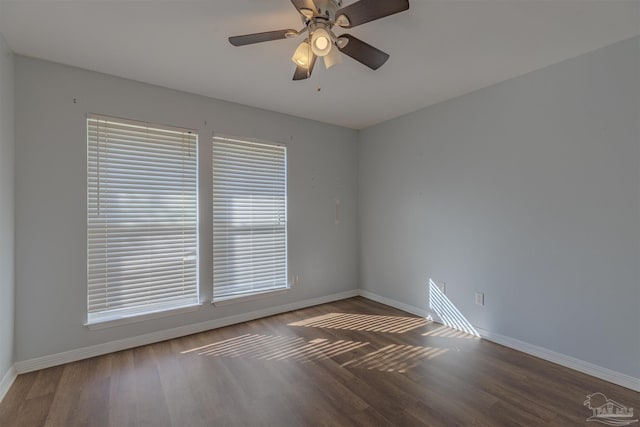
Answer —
(352, 362)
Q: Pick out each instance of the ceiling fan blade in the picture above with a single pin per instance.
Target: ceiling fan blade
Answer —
(261, 37)
(363, 52)
(305, 4)
(302, 73)
(365, 11)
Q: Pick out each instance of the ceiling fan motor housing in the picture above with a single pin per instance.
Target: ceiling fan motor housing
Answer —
(327, 9)
(319, 27)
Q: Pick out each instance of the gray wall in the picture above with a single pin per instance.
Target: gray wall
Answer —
(51, 199)
(528, 191)
(7, 171)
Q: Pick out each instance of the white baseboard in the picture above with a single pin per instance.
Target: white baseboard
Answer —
(7, 381)
(123, 344)
(395, 304)
(563, 360)
(531, 349)
(126, 343)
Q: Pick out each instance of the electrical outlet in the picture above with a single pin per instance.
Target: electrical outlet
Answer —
(442, 286)
(479, 298)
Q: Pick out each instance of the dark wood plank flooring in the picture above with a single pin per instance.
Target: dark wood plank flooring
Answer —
(349, 363)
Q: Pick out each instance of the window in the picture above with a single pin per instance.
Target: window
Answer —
(249, 217)
(142, 218)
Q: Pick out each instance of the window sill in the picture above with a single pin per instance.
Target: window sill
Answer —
(249, 297)
(109, 322)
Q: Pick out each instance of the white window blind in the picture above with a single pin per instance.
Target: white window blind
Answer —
(142, 218)
(249, 217)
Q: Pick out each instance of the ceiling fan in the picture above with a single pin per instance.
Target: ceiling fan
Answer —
(319, 17)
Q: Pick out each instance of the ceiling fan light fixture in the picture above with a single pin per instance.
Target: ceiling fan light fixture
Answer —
(332, 58)
(302, 56)
(321, 42)
(319, 18)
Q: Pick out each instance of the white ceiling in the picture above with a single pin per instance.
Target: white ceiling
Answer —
(439, 49)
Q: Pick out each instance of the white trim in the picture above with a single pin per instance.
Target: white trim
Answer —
(7, 381)
(126, 343)
(579, 365)
(395, 304)
(134, 318)
(141, 123)
(249, 297)
(109, 347)
(226, 137)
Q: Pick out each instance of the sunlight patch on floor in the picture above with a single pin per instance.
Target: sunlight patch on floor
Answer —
(364, 322)
(268, 347)
(447, 332)
(395, 358)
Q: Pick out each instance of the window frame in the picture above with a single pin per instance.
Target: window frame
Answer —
(191, 302)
